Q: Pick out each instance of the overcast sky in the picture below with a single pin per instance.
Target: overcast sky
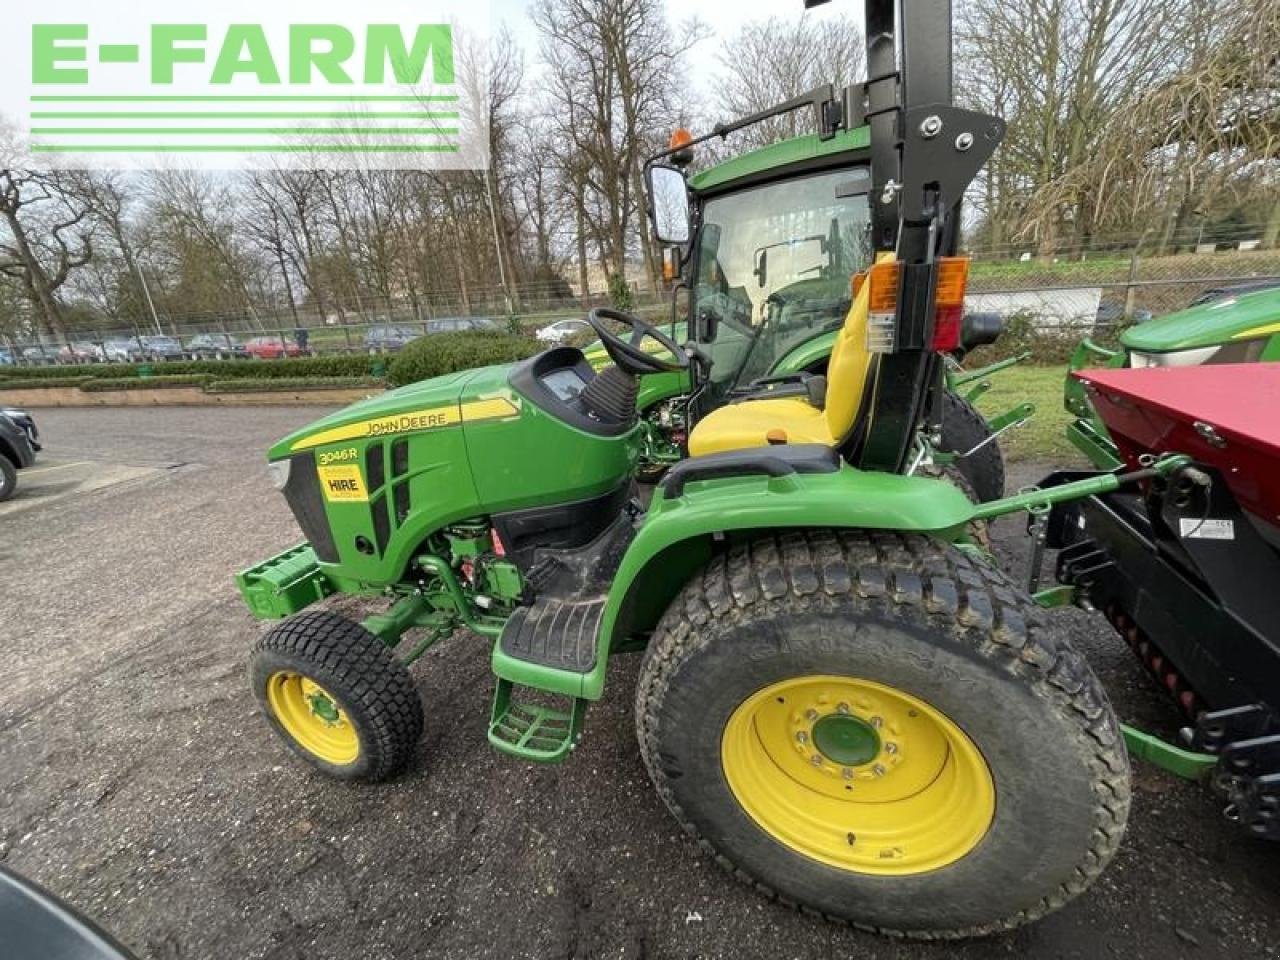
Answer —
(722, 17)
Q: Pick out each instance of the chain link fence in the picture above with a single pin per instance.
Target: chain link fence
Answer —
(1099, 293)
(1069, 296)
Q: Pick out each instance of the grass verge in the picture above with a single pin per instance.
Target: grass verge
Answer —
(1043, 437)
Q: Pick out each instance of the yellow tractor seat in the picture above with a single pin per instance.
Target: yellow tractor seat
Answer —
(756, 423)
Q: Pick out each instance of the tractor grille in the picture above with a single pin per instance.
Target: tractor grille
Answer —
(390, 499)
(302, 493)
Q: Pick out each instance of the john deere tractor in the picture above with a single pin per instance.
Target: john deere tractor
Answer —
(841, 697)
(778, 232)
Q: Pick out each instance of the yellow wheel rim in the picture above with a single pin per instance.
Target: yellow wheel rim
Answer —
(858, 775)
(313, 718)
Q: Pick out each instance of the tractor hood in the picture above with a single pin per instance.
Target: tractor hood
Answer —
(434, 402)
(1237, 318)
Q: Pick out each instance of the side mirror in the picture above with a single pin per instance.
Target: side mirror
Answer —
(668, 204)
(761, 271)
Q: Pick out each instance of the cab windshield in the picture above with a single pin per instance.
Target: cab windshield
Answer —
(774, 267)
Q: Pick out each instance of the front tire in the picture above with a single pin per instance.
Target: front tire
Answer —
(8, 478)
(780, 675)
(337, 696)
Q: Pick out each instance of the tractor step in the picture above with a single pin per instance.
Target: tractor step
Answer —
(533, 731)
(554, 632)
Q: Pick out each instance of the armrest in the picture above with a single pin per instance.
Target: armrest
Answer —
(779, 461)
(811, 386)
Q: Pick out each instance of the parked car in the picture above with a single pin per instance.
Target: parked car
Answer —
(39, 355)
(162, 348)
(26, 422)
(216, 346)
(1214, 294)
(16, 454)
(80, 352)
(561, 330)
(272, 348)
(6, 357)
(124, 351)
(386, 339)
(461, 324)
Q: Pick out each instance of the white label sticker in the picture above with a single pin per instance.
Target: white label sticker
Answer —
(1207, 529)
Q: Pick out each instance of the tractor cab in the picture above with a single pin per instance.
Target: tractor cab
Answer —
(779, 233)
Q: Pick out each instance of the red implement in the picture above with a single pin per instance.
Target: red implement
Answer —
(1224, 415)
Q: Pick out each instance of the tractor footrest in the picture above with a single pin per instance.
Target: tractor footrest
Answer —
(533, 731)
(554, 632)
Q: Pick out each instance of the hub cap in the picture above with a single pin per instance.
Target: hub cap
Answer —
(857, 775)
(312, 717)
(847, 740)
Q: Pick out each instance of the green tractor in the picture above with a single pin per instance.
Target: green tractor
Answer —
(841, 697)
(779, 233)
(1243, 328)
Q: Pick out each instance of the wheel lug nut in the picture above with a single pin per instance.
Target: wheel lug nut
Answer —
(877, 721)
(842, 708)
(847, 773)
(816, 760)
(802, 737)
(891, 748)
(811, 714)
(878, 770)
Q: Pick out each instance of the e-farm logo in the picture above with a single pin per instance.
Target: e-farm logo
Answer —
(136, 86)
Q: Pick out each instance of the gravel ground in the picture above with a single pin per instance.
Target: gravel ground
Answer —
(137, 780)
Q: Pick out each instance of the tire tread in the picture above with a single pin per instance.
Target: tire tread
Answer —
(369, 675)
(931, 583)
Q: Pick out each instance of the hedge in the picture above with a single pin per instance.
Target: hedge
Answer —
(346, 365)
(36, 383)
(274, 384)
(444, 353)
(426, 357)
(144, 383)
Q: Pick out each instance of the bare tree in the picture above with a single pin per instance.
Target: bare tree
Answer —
(769, 61)
(1059, 71)
(610, 65)
(1200, 137)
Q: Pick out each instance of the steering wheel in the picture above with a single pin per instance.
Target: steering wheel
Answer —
(627, 354)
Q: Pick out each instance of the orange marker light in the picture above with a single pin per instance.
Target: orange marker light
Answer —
(681, 138)
(884, 287)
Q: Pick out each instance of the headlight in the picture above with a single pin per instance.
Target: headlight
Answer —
(12, 412)
(278, 470)
(1178, 358)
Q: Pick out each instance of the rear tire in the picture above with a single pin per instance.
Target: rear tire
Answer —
(926, 623)
(337, 696)
(8, 478)
(963, 428)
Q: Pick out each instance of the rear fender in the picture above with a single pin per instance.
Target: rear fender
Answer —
(680, 534)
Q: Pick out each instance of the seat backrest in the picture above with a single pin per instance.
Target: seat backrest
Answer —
(849, 366)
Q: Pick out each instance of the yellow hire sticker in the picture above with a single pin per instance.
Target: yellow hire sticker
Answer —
(342, 483)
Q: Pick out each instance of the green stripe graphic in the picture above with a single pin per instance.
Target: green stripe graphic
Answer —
(239, 131)
(253, 148)
(119, 115)
(264, 98)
